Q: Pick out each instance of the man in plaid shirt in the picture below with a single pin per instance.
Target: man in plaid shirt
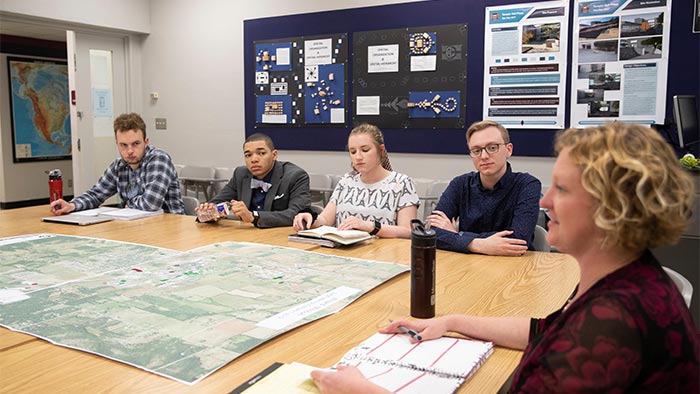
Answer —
(144, 176)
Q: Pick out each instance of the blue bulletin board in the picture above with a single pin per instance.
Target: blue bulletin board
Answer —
(314, 132)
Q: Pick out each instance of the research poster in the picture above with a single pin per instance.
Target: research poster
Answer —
(525, 64)
(620, 61)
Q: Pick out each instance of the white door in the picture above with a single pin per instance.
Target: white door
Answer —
(98, 83)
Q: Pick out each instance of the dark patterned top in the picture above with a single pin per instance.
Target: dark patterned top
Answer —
(513, 204)
(630, 333)
(152, 186)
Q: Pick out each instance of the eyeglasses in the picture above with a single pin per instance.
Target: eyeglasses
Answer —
(490, 149)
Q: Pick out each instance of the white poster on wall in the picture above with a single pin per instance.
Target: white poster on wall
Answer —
(525, 48)
(318, 52)
(383, 58)
(620, 61)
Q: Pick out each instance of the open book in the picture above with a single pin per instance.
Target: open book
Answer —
(434, 366)
(343, 237)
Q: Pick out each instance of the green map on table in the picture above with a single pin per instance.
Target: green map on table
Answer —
(182, 315)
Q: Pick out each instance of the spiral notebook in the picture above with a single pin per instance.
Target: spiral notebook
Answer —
(437, 366)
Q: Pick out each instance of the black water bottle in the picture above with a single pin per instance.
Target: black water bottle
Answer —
(422, 270)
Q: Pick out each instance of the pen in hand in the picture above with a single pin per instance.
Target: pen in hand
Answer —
(408, 331)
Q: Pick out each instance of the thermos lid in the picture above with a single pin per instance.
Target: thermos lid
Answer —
(422, 234)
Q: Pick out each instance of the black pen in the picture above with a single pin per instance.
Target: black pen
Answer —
(408, 331)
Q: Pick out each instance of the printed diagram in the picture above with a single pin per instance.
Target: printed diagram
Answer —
(324, 96)
(300, 82)
(422, 43)
(432, 104)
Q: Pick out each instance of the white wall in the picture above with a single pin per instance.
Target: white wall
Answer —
(129, 15)
(27, 181)
(194, 59)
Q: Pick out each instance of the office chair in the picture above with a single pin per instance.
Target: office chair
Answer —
(190, 204)
(683, 285)
(540, 243)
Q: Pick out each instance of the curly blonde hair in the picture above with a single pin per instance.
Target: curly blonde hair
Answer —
(642, 195)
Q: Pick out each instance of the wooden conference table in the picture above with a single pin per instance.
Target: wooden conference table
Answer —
(532, 285)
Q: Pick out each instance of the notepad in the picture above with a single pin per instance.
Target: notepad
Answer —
(293, 378)
(343, 237)
(437, 366)
(130, 213)
(80, 220)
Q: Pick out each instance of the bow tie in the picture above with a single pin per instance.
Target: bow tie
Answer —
(257, 183)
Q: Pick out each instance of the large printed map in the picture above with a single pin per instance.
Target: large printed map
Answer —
(182, 315)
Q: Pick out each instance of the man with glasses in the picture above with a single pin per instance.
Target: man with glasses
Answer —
(492, 210)
(144, 176)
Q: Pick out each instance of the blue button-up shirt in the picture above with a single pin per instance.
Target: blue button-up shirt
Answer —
(513, 204)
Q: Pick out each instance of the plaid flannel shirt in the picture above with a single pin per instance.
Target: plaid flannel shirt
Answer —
(152, 186)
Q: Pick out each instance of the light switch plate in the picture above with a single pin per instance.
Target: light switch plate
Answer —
(161, 124)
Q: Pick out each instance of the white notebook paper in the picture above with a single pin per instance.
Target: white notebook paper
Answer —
(437, 366)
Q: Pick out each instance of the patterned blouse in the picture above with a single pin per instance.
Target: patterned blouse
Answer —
(378, 201)
(630, 333)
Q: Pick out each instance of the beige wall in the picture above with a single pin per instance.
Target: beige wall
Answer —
(193, 57)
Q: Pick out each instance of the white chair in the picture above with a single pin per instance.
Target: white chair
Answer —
(321, 186)
(222, 175)
(540, 243)
(196, 178)
(178, 168)
(683, 285)
(335, 180)
(422, 186)
(433, 195)
(190, 204)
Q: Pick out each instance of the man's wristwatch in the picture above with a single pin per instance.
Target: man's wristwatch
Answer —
(256, 217)
(377, 227)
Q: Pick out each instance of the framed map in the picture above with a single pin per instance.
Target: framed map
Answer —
(40, 110)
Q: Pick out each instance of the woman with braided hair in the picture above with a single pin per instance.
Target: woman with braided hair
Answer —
(372, 197)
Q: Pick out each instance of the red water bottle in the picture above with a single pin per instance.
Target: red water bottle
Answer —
(55, 185)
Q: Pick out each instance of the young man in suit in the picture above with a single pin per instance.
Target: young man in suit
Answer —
(265, 192)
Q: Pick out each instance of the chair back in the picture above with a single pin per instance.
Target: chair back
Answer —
(197, 172)
(540, 243)
(433, 195)
(321, 187)
(190, 204)
(683, 285)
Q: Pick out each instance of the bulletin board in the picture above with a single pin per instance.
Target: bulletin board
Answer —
(411, 77)
(414, 138)
(301, 81)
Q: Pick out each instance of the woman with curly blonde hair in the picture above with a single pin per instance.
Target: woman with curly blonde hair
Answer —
(617, 191)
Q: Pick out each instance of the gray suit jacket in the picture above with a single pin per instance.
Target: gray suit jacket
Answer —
(288, 195)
